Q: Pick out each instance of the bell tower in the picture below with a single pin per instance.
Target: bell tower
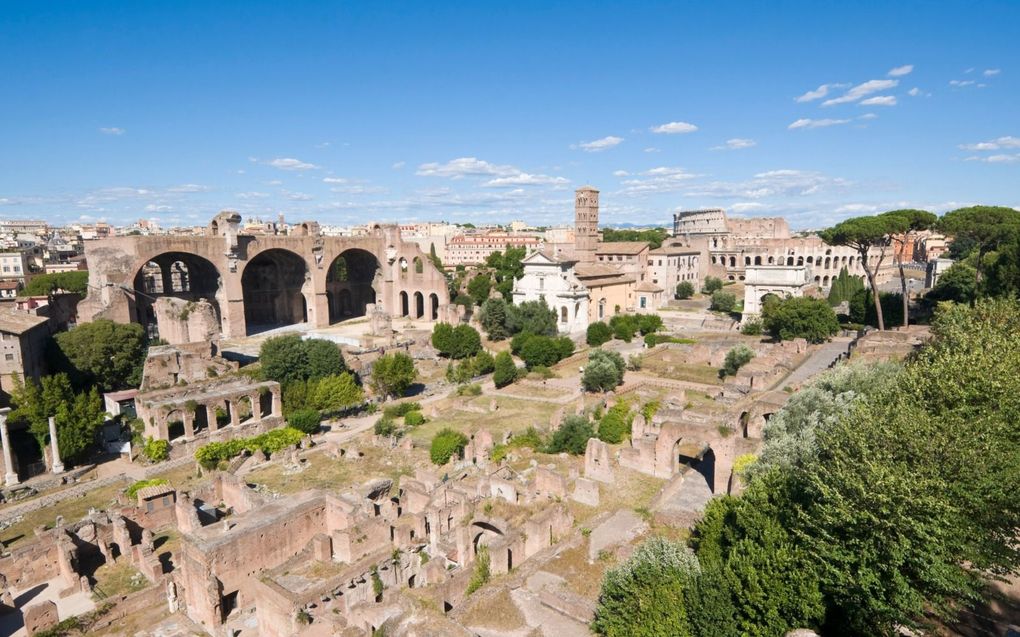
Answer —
(586, 223)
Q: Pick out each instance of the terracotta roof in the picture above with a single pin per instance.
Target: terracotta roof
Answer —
(156, 490)
(674, 249)
(8, 285)
(645, 286)
(595, 269)
(14, 321)
(620, 247)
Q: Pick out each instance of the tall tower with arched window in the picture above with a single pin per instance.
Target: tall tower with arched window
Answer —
(586, 223)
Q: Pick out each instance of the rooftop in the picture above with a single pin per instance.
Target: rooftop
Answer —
(14, 321)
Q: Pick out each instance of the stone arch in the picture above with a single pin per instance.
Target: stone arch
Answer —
(825, 280)
(434, 305)
(350, 283)
(810, 260)
(757, 260)
(419, 305)
(800, 260)
(733, 261)
(747, 260)
(419, 267)
(772, 260)
(404, 304)
(177, 274)
(484, 532)
(564, 314)
(273, 283)
(789, 260)
(175, 424)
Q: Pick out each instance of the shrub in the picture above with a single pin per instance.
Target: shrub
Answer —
(414, 418)
(133, 490)
(399, 410)
(735, 359)
(156, 450)
(304, 420)
(505, 370)
(650, 409)
(712, 284)
(603, 372)
(723, 301)
(493, 318)
(484, 363)
(335, 392)
(474, 389)
(545, 350)
(684, 290)
(598, 334)
(572, 436)
(615, 425)
(211, 454)
(651, 340)
(385, 426)
(481, 574)
(751, 327)
(649, 323)
(624, 327)
(288, 358)
(393, 374)
(446, 444)
(811, 319)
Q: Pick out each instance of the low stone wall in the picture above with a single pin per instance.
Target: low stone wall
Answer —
(124, 605)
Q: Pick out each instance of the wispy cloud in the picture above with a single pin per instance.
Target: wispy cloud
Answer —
(620, 173)
(296, 196)
(962, 83)
(674, 128)
(997, 159)
(772, 183)
(252, 195)
(879, 100)
(999, 143)
(525, 179)
(806, 122)
(398, 165)
(900, 71)
(819, 92)
(862, 90)
(653, 149)
(658, 180)
(991, 72)
(112, 130)
(599, 145)
(335, 180)
(289, 163)
(737, 143)
(465, 167)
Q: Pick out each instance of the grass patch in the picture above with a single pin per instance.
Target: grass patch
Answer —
(514, 415)
(323, 472)
(117, 579)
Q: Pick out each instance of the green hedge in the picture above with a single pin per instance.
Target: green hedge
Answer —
(212, 454)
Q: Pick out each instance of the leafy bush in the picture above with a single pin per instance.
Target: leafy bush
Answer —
(480, 576)
(545, 350)
(335, 392)
(44, 284)
(156, 450)
(289, 358)
(735, 359)
(572, 436)
(603, 372)
(650, 409)
(645, 596)
(493, 318)
(712, 284)
(651, 340)
(385, 426)
(615, 425)
(473, 389)
(133, 490)
(807, 318)
(624, 327)
(414, 418)
(304, 420)
(399, 410)
(505, 370)
(211, 454)
(393, 374)
(752, 327)
(598, 334)
(484, 363)
(531, 317)
(684, 290)
(723, 301)
(456, 342)
(446, 444)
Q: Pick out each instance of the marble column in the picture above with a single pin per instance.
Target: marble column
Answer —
(256, 407)
(277, 402)
(235, 416)
(189, 424)
(58, 466)
(210, 417)
(10, 478)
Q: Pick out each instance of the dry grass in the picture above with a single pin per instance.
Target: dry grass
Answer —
(582, 577)
(496, 611)
(119, 578)
(514, 414)
(632, 490)
(71, 509)
(328, 474)
(659, 363)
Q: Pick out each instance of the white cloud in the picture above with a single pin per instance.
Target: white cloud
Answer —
(900, 71)
(359, 190)
(186, 188)
(818, 93)
(674, 128)
(914, 92)
(1007, 141)
(991, 72)
(525, 179)
(335, 180)
(658, 180)
(274, 182)
(962, 83)
(599, 145)
(296, 196)
(737, 143)
(398, 165)
(862, 90)
(879, 100)
(997, 159)
(157, 208)
(463, 167)
(251, 195)
(112, 130)
(868, 116)
(744, 207)
(289, 163)
(806, 122)
(773, 183)
(652, 149)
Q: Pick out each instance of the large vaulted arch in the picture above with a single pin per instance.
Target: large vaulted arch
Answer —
(175, 274)
(350, 284)
(273, 283)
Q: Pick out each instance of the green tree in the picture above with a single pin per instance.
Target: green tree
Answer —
(603, 372)
(865, 234)
(649, 323)
(493, 318)
(324, 358)
(102, 353)
(337, 392)
(712, 284)
(466, 341)
(442, 338)
(531, 317)
(447, 444)
(916, 221)
(598, 334)
(393, 374)
(645, 596)
(800, 317)
(723, 301)
(435, 258)
(985, 227)
(653, 236)
(955, 284)
(684, 290)
(284, 359)
(844, 287)
(478, 288)
(735, 359)
(505, 370)
(615, 425)
(572, 436)
(304, 420)
(624, 327)
(545, 351)
(46, 284)
(77, 416)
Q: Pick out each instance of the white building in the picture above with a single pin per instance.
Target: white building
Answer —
(554, 282)
(782, 280)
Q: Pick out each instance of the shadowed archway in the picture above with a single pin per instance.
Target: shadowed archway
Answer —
(350, 284)
(176, 274)
(273, 284)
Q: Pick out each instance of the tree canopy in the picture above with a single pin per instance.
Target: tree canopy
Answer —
(799, 317)
(44, 284)
(101, 353)
(393, 374)
(78, 416)
(289, 357)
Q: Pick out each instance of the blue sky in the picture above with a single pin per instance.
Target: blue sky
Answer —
(481, 111)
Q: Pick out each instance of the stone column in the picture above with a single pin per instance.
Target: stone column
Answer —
(256, 406)
(10, 478)
(189, 423)
(235, 418)
(277, 402)
(58, 466)
(210, 416)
